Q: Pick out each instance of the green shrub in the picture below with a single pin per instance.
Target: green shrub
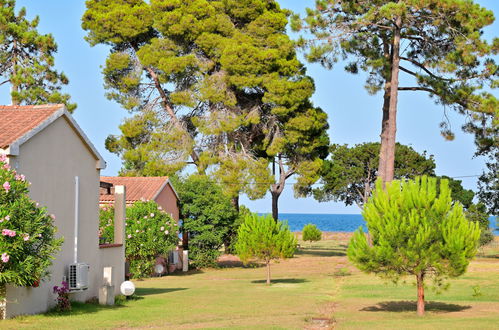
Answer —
(263, 238)
(150, 232)
(208, 216)
(27, 240)
(311, 233)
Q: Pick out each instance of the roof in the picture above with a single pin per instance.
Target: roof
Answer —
(137, 188)
(19, 123)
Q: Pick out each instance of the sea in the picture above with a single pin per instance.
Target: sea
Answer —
(337, 222)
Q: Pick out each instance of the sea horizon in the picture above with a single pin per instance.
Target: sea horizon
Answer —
(337, 222)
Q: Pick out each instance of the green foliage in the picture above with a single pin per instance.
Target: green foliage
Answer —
(350, 173)
(263, 238)
(216, 82)
(458, 193)
(150, 233)
(27, 239)
(443, 51)
(208, 216)
(478, 213)
(311, 233)
(27, 60)
(414, 231)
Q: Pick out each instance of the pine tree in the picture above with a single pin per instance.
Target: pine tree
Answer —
(436, 44)
(414, 231)
(311, 233)
(263, 238)
(27, 60)
(214, 83)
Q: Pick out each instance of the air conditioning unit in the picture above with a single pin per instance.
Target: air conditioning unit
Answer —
(78, 276)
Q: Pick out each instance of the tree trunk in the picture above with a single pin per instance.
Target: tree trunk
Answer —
(275, 204)
(3, 302)
(13, 87)
(268, 272)
(276, 189)
(235, 203)
(389, 122)
(419, 279)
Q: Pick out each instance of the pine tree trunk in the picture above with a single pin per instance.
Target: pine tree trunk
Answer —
(235, 203)
(268, 272)
(389, 122)
(419, 279)
(275, 204)
(3, 302)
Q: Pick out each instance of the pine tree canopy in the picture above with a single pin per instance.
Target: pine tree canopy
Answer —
(27, 60)
(215, 83)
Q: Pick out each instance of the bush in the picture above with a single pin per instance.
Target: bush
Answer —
(311, 233)
(150, 232)
(27, 240)
(414, 231)
(263, 238)
(208, 216)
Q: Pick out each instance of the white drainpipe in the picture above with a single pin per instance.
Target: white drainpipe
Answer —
(77, 216)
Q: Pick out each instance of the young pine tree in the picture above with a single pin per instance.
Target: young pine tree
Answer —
(311, 233)
(415, 231)
(263, 238)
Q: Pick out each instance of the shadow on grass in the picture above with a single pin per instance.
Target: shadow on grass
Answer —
(150, 291)
(239, 264)
(283, 280)
(192, 271)
(411, 306)
(320, 252)
(79, 308)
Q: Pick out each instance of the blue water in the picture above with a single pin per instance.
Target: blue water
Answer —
(335, 222)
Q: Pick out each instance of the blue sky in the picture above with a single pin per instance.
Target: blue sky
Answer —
(354, 116)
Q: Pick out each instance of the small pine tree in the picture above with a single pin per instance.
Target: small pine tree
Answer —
(415, 231)
(263, 238)
(27, 238)
(311, 233)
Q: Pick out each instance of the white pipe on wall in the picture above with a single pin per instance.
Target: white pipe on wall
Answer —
(77, 216)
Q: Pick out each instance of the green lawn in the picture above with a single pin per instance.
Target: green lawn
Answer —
(316, 288)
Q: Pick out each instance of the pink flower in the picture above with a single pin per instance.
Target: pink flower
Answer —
(3, 158)
(152, 215)
(6, 186)
(160, 208)
(5, 257)
(129, 236)
(6, 166)
(7, 218)
(137, 231)
(25, 237)
(162, 228)
(52, 216)
(20, 177)
(8, 232)
(166, 232)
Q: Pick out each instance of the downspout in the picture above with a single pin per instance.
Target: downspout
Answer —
(77, 216)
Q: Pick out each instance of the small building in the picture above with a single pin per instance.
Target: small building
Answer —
(158, 189)
(44, 143)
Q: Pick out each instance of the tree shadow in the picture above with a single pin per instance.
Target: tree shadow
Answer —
(150, 291)
(411, 306)
(283, 280)
(239, 264)
(320, 252)
(192, 271)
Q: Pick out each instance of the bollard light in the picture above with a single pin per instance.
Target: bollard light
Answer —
(127, 288)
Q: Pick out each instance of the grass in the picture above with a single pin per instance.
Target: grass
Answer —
(317, 288)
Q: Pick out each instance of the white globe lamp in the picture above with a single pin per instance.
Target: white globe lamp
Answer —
(127, 288)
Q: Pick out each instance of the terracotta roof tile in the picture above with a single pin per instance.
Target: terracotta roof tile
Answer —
(16, 121)
(137, 188)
